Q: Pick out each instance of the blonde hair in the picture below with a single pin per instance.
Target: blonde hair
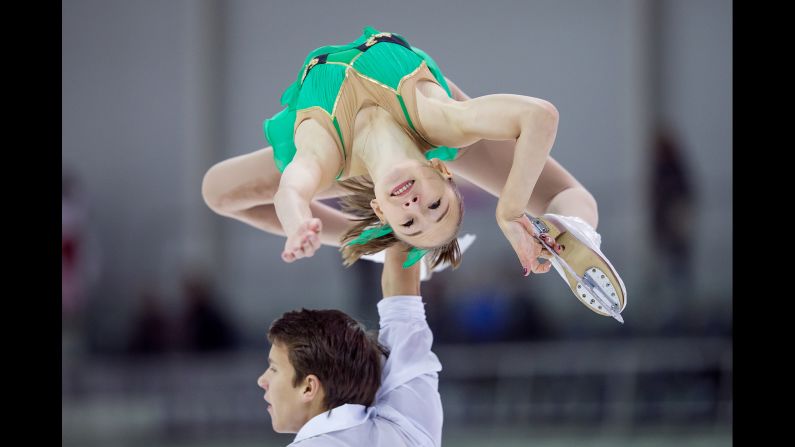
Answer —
(358, 204)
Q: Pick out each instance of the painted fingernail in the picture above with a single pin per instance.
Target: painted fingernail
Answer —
(525, 271)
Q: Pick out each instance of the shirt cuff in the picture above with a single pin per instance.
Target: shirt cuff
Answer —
(401, 307)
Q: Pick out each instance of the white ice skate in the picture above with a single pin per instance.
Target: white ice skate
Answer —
(582, 264)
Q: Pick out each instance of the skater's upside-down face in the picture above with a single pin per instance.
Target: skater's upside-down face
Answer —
(420, 202)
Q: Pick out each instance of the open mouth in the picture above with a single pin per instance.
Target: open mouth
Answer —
(402, 188)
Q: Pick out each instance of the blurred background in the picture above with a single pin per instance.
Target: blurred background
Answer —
(166, 305)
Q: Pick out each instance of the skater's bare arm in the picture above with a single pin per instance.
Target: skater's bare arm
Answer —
(297, 187)
(531, 122)
(312, 169)
(486, 164)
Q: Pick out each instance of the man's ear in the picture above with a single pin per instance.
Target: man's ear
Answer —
(311, 389)
(441, 167)
(377, 209)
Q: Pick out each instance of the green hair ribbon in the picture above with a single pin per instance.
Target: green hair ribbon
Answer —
(415, 254)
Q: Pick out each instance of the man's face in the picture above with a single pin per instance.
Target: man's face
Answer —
(287, 407)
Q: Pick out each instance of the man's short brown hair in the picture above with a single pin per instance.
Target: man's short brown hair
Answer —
(336, 348)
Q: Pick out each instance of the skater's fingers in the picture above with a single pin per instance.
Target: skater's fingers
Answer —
(525, 223)
(315, 225)
(522, 242)
(525, 260)
(294, 247)
(299, 252)
(534, 265)
(288, 254)
(308, 249)
(538, 249)
(525, 255)
(550, 241)
(310, 240)
(547, 239)
(542, 267)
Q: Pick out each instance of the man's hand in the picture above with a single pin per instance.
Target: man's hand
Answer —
(395, 280)
(303, 242)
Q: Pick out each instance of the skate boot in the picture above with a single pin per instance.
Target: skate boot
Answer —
(594, 281)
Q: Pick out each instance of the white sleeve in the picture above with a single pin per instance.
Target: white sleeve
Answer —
(410, 379)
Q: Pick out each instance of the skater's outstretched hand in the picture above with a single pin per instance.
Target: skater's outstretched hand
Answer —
(523, 238)
(303, 242)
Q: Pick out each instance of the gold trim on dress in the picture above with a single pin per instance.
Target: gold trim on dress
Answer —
(311, 64)
(354, 58)
(338, 139)
(416, 70)
(310, 108)
(339, 92)
(372, 39)
(374, 81)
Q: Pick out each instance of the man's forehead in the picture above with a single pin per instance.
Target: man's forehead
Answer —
(277, 353)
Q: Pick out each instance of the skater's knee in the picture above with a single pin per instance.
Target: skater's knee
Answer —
(590, 207)
(234, 185)
(575, 201)
(550, 111)
(588, 198)
(212, 189)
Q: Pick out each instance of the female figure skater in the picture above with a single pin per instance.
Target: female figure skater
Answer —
(378, 117)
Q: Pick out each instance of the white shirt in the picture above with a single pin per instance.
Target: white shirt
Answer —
(408, 408)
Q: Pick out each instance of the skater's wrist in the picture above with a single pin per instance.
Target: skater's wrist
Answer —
(506, 213)
(291, 209)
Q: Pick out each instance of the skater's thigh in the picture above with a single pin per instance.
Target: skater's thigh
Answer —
(487, 164)
(249, 180)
